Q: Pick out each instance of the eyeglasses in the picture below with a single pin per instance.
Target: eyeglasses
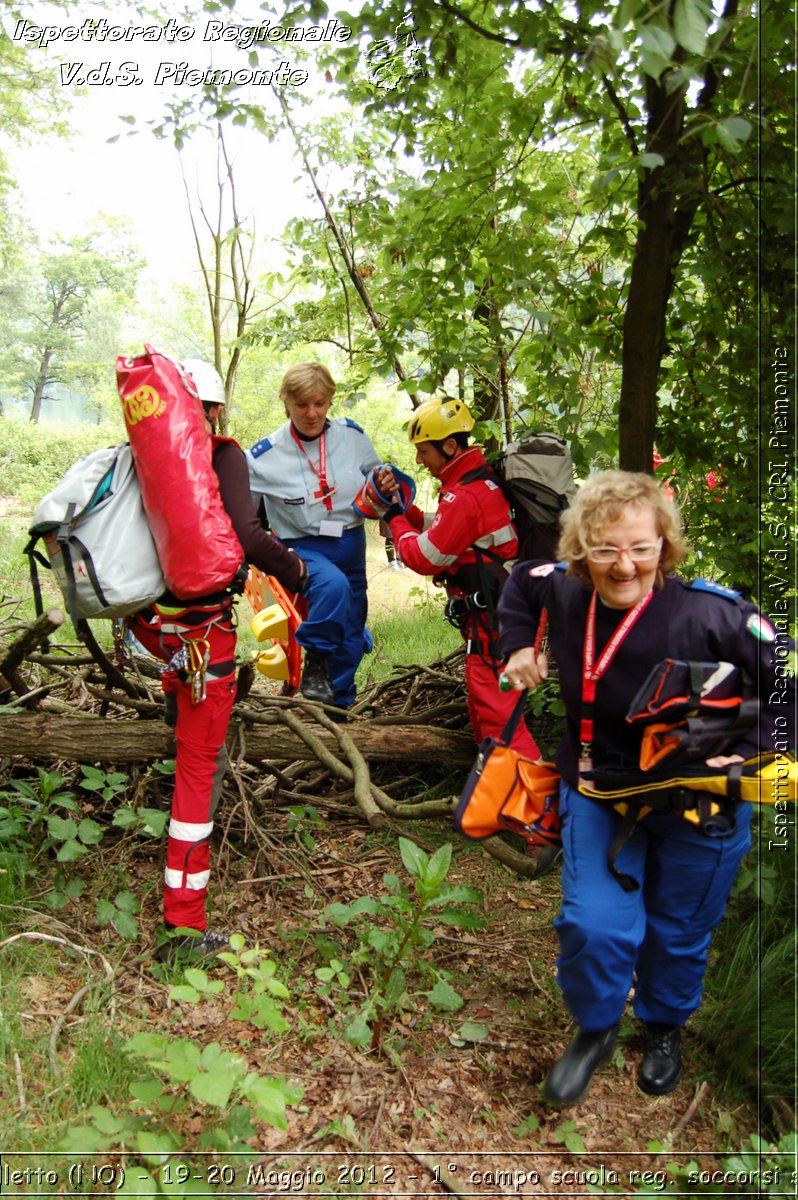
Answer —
(639, 553)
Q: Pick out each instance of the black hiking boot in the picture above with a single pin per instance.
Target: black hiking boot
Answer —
(315, 683)
(661, 1068)
(569, 1078)
(179, 948)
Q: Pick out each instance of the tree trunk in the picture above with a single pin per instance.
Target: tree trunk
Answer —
(651, 279)
(47, 736)
(40, 385)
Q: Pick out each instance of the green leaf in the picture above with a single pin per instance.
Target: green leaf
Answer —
(139, 1183)
(126, 926)
(213, 1087)
(185, 993)
(146, 1090)
(78, 1137)
(270, 1097)
(357, 1032)
(473, 1031)
(444, 997)
(74, 888)
(70, 851)
(658, 46)
(732, 132)
(104, 1119)
(690, 20)
(459, 894)
(574, 1142)
(438, 865)
(530, 1124)
(153, 821)
(651, 161)
(124, 817)
(342, 914)
(127, 902)
(89, 832)
(156, 1145)
(105, 912)
(61, 828)
(197, 978)
(93, 780)
(413, 857)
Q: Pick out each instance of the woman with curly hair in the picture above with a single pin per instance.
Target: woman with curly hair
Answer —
(643, 919)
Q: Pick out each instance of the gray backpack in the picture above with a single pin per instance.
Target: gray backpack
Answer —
(97, 539)
(537, 476)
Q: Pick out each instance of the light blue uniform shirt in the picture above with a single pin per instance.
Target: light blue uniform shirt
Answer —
(284, 477)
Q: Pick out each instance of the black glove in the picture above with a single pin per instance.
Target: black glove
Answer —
(390, 513)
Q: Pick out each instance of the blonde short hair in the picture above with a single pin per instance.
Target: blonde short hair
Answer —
(305, 380)
(602, 501)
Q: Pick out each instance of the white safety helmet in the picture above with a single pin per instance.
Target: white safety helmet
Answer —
(206, 380)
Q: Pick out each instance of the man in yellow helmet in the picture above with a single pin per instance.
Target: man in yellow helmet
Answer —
(468, 546)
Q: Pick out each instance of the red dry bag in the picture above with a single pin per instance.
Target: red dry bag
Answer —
(197, 546)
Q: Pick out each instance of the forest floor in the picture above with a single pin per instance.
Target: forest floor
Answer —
(449, 1102)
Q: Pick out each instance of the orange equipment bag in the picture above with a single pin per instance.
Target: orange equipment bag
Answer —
(197, 546)
(507, 791)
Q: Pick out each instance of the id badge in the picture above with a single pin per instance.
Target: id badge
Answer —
(331, 528)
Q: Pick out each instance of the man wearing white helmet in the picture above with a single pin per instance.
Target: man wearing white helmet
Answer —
(172, 628)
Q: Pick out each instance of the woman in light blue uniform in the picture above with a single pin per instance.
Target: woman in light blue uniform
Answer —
(308, 473)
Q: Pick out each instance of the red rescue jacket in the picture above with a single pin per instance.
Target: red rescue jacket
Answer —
(474, 512)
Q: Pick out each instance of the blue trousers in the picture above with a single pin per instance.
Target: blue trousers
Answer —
(657, 938)
(337, 605)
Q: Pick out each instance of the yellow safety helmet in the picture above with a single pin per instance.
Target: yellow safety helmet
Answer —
(439, 418)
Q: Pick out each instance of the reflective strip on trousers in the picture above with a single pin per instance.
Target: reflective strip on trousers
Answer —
(178, 879)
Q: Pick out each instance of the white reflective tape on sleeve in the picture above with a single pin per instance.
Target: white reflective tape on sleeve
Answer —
(186, 831)
(499, 537)
(432, 554)
(178, 879)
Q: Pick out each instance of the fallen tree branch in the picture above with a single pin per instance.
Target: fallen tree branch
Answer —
(361, 779)
(529, 867)
(79, 995)
(48, 735)
(22, 1102)
(16, 653)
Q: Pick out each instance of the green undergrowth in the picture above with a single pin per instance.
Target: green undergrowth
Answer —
(748, 1015)
(112, 1079)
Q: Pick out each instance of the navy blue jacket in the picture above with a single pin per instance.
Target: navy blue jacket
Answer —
(697, 621)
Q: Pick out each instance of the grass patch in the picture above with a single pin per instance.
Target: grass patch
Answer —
(418, 635)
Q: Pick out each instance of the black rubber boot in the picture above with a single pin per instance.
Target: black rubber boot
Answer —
(569, 1078)
(661, 1068)
(315, 683)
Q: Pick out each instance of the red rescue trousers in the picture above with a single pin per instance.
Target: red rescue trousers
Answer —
(201, 755)
(488, 708)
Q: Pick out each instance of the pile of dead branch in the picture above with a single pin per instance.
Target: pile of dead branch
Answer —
(401, 755)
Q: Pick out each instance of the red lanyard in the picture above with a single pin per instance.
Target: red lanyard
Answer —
(325, 492)
(591, 674)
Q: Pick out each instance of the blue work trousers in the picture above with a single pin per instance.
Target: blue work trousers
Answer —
(337, 604)
(656, 938)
